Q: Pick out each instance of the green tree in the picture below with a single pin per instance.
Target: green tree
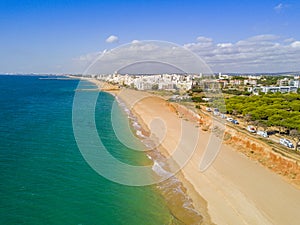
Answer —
(197, 99)
(279, 110)
(295, 105)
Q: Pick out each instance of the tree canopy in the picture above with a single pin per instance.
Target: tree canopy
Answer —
(279, 110)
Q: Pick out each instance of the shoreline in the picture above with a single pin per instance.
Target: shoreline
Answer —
(178, 181)
(197, 201)
(236, 190)
(192, 197)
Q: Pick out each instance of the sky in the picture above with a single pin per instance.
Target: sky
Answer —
(42, 36)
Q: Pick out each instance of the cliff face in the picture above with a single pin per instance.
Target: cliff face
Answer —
(263, 153)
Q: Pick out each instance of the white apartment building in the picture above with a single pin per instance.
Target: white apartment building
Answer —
(282, 89)
(295, 83)
(147, 82)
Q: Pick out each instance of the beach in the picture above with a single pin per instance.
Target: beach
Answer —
(234, 189)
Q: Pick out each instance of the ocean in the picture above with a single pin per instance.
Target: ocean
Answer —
(44, 178)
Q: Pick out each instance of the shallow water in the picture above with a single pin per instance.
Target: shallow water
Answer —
(44, 178)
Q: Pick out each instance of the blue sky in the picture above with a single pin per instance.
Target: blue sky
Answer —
(48, 36)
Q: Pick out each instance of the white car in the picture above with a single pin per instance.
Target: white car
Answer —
(208, 109)
(216, 113)
(251, 129)
(229, 119)
(286, 143)
(263, 133)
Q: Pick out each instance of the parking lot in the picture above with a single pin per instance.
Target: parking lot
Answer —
(242, 125)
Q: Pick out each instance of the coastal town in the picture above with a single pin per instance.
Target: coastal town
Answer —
(287, 83)
(270, 120)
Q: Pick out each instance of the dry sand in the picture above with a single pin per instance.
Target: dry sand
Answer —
(236, 190)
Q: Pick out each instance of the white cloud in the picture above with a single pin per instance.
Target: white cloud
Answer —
(204, 39)
(203, 43)
(263, 37)
(261, 53)
(135, 42)
(112, 39)
(289, 40)
(278, 8)
(224, 45)
(165, 55)
(295, 44)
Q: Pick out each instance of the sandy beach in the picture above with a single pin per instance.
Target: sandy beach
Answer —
(235, 189)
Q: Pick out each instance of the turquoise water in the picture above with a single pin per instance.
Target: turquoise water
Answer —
(44, 178)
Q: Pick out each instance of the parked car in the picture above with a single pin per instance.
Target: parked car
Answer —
(229, 119)
(223, 116)
(263, 133)
(208, 109)
(286, 143)
(234, 121)
(251, 129)
(216, 113)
